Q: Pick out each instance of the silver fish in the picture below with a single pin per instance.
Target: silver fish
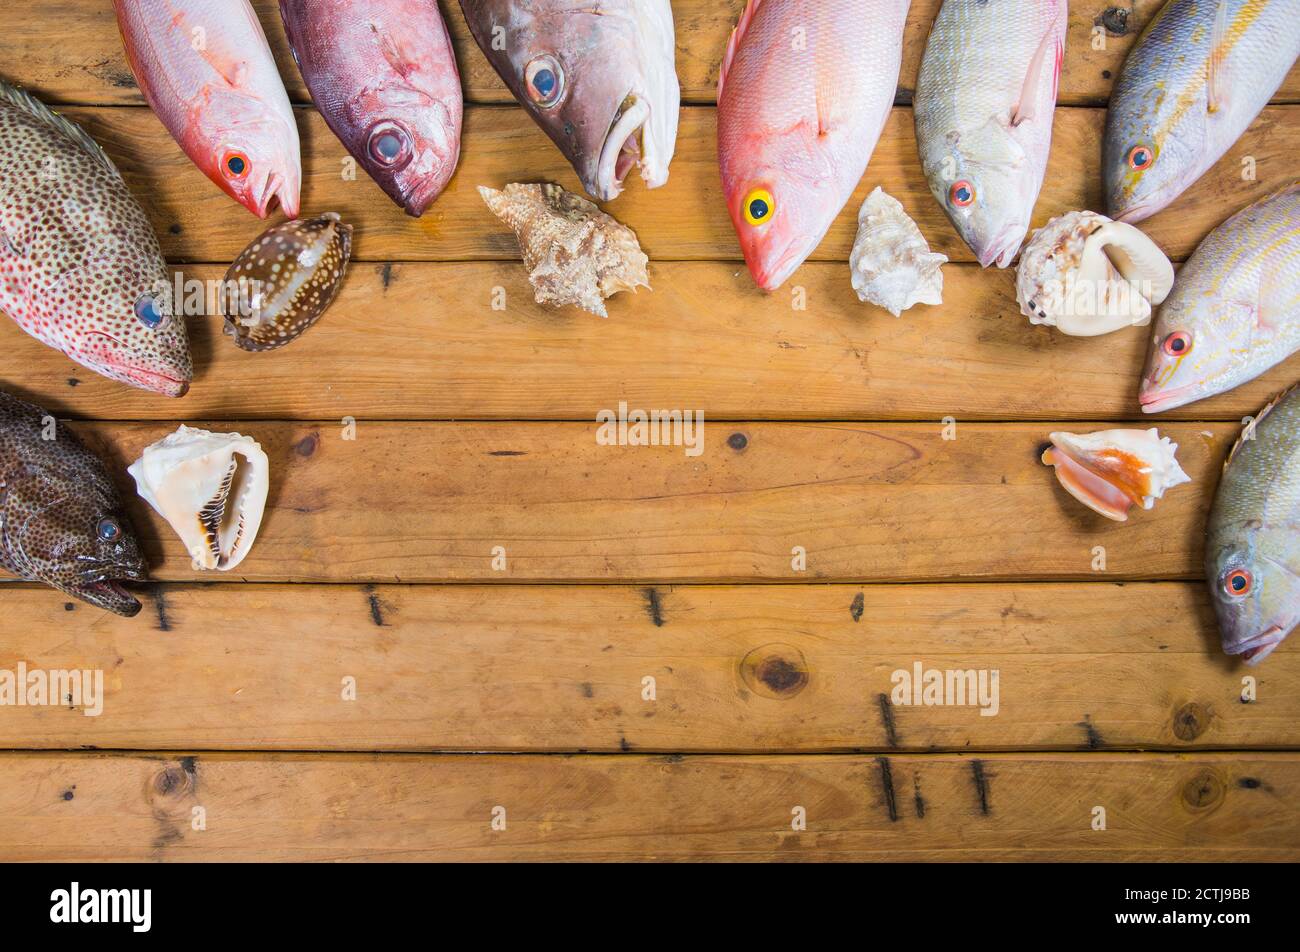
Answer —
(1196, 78)
(1252, 545)
(1234, 311)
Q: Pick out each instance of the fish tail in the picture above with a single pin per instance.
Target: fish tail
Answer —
(733, 44)
(21, 99)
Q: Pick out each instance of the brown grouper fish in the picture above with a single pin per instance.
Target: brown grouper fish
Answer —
(61, 519)
(80, 267)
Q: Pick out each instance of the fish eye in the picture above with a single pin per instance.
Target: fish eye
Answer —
(962, 194)
(148, 310)
(1238, 582)
(1140, 158)
(1177, 344)
(759, 207)
(390, 145)
(235, 166)
(545, 81)
(108, 529)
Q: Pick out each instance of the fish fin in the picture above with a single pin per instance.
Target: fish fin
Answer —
(1215, 93)
(1248, 431)
(22, 99)
(733, 44)
(1051, 46)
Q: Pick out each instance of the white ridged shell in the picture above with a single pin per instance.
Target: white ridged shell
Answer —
(892, 266)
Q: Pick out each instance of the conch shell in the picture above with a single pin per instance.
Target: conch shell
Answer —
(1111, 470)
(211, 487)
(282, 283)
(892, 265)
(1087, 275)
(574, 252)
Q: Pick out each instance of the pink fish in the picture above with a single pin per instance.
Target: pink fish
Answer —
(805, 90)
(383, 74)
(207, 71)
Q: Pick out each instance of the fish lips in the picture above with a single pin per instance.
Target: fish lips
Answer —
(103, 589)
(1254, 650)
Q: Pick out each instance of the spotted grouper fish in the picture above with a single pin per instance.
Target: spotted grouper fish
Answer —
(61, 519)
(1252, 545)
(80, 267)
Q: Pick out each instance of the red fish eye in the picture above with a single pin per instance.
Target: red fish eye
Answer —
(235, 166)
(962, 193)
(1177, 344)
(1140, 158)
(1238, 582)
(390, 145)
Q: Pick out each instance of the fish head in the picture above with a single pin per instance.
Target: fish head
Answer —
(603, 85)
(75, 537)
(985, 187)
(256, 160)
(1199, 348)
(410, 146)
(120, 320)
(1255, 593)
(1151, 152)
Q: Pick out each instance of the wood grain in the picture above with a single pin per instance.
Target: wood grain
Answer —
(86, 65)
(417, 341)
(907, 807)
(795, 668)
(889, 502)
(686, 219)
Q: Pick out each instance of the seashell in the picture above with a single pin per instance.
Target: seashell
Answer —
(574, 252)
(1111, 470)
(211, 487)
(892, 265)
(1087, 275)
(282, 283)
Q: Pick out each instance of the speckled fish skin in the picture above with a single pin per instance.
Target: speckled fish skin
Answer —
(599, 78)
(288, 277)
(206, 70)
(985, 97)
(1194, 81)
(383, 74)
(1253, 535)
(804, 93)
(80, 267)
(61, 519)
(1234, 311)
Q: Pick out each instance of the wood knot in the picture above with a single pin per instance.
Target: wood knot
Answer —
(1204, 791)
(1115, 20)
(307, 445)
(738, 441)
(775, 671)
(173, 782)
(1190, 721)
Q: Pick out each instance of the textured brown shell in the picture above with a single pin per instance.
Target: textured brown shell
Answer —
(286, 279)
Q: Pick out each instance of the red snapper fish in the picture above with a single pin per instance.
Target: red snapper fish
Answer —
(80, 267)
(206, 70)
(383, 74)
(804, 93)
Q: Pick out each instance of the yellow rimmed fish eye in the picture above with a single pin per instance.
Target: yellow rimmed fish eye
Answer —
(759, 206)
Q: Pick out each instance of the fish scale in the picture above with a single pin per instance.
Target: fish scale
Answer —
(1234, 309)
(985, 97)
(1253, 534)
(1197, 77)
(78, 256)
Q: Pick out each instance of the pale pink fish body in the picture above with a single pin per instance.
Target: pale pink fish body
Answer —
(806, 87)
(985, 97)
(207, 72)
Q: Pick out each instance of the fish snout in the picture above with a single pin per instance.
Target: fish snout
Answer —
(1002, 249)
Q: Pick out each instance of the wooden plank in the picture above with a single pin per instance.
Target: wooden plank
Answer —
(890, 502)
(544, 668)
(422, 341)
(86, 65)
(686, 219)
(78, 807)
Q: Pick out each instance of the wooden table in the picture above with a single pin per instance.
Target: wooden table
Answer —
(652, 674)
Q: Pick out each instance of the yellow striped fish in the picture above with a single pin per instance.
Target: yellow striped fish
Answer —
(1197, 77)
(1235, 309)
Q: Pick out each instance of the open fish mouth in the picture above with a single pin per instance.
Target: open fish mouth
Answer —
(276, 188)
(1256, 649)
(626, 146)
(1004, 247)
(104, 590)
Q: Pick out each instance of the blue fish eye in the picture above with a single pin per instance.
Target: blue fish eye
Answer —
(390, 145)
(148, 311)
(545, 81)
(108, 529)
